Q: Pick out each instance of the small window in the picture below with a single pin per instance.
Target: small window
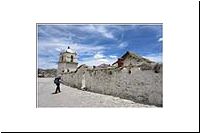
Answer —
(129, 71)
(72, 58)
(62, 59)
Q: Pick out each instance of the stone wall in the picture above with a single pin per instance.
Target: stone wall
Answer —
(61, 68)
(71, 66)
(64, 67)
(133, 83)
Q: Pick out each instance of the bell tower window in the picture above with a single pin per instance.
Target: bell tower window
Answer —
(62, 59)
(72, 58)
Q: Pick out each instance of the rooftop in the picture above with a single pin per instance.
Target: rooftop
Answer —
(70, 50)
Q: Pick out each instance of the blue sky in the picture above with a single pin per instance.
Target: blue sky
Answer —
(98, 43)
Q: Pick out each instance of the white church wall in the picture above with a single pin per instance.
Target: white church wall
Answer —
(129, 83)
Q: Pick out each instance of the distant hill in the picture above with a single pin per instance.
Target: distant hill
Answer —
(45, 73)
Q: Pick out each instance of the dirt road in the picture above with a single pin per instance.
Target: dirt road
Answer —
(72, 97)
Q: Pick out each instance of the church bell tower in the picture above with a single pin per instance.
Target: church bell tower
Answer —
(67, 61)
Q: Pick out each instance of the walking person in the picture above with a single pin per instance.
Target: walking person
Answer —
(57, 82)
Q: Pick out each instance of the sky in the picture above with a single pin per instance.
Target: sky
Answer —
(96, 44)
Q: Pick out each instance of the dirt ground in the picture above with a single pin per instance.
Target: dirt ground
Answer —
(72, 97)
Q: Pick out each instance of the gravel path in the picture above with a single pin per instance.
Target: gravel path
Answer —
(72, 97)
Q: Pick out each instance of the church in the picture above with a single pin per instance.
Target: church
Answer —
(67, 61)
(122, 79)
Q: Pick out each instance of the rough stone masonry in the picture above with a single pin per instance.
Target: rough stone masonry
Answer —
(140, 80)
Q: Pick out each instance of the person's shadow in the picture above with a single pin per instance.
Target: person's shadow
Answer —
(55, 93)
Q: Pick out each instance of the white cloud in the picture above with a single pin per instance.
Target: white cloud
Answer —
(105, 32)
(99, 55)
(103, 60)
(99, 29)
(87, 49)
(113, 56)
(154, 57)
(47, 63)
(98, 59)
(160, 39)
(96, 62)
(123, 45)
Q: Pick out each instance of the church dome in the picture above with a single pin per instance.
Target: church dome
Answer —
(69, 50)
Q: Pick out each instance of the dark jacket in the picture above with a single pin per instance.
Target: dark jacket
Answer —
(57, 81)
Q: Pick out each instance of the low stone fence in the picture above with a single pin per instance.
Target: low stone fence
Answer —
(133, 83)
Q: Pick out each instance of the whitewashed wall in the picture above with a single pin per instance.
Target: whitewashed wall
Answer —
(129, 83)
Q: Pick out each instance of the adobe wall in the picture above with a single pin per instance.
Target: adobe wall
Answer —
(61, 67)
(144, 86)
(64, 66)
